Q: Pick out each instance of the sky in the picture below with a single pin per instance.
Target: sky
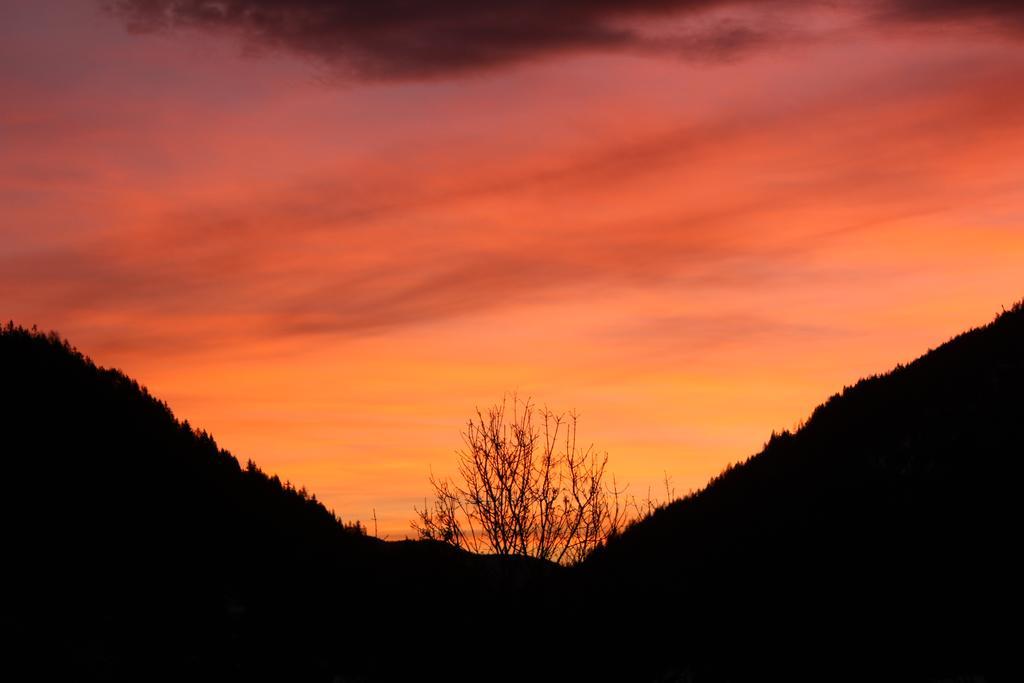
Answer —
(326, 232)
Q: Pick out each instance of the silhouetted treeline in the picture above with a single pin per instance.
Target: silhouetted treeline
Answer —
(877, 542)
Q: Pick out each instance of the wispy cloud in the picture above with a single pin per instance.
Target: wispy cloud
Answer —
(704, 203)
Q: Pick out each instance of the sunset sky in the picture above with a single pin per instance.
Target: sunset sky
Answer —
(326, 231)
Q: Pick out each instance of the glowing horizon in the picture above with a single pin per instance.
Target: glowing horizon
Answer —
(690, 250)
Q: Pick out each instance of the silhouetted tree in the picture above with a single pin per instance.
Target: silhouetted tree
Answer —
(525, 488)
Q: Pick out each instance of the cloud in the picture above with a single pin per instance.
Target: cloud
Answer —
(689, 333)
(1009, 14)
(746, 198)
(692, 206)
(399, 40)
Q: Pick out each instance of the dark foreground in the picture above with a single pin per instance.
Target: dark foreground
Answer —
(875, 543)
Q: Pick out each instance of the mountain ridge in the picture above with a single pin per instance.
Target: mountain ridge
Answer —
(873, 541)
(143, 550)
(895, 497)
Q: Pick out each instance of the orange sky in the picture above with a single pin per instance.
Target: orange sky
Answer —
(328, 272)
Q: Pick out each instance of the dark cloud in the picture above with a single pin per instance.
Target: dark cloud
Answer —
(399, 39)
(412, 40)
(1009, 14)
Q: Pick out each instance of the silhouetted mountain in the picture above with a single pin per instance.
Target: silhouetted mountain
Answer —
(878, 541)
(139, 550)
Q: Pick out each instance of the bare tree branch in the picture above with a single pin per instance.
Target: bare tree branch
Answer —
(526, 488)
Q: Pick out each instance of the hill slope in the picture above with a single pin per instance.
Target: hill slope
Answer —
(139, 550)
(878, 540)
